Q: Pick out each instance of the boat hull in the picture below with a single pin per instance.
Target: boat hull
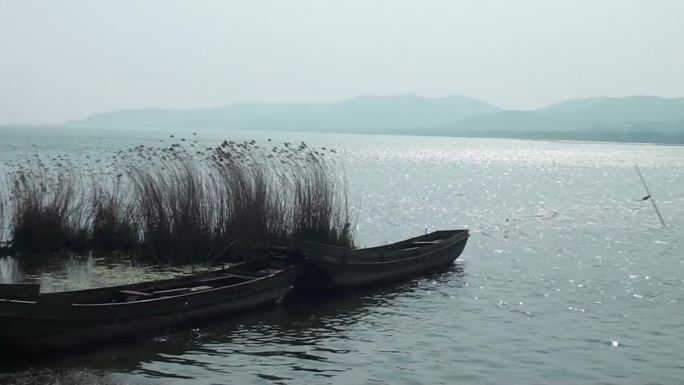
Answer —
(333, 271)
(26, 327)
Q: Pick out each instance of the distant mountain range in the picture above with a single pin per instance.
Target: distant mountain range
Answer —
(629, 119)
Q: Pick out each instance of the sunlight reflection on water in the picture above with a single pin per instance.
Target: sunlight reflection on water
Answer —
(564, 260)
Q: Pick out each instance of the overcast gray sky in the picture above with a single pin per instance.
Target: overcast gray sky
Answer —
(64, 60)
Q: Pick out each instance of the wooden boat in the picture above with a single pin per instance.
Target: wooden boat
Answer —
(31, 321)
(338, 267)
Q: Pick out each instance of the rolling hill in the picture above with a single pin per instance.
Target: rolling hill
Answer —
(631, 119)
(364, 114)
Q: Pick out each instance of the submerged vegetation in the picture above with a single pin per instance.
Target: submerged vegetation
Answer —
(177, 204)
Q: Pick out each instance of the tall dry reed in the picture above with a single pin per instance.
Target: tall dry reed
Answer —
(318, 196)
(48, 210)
(114, 221)
(3, 221)
(249, 193)
(175, 210)
(181, 204)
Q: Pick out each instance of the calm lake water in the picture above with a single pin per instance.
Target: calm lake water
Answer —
(568, 276)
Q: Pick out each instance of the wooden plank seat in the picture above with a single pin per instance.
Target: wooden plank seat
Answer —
(200, 288)
(247, 274)
(230, 275)
(181, 289)
(426, 243)
(217, 278)
(135, 293)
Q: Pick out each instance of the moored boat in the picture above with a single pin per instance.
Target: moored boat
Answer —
(337, 267)
(30, 321)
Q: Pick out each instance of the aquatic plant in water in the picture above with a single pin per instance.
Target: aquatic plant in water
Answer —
(47, 209)
(174, 210)
(114, 224)
(180, 204)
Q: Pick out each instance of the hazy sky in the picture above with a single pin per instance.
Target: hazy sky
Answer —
(63, 60)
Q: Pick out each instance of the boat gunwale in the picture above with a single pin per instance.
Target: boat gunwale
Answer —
(19, 301)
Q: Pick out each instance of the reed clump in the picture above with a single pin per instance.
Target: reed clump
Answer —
(181, 204)
(3, 241)
(47, 209)
(250, 194)
(114, 223)
(175, 210)
(319, 209)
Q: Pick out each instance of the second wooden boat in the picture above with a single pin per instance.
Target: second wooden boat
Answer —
(338, 267)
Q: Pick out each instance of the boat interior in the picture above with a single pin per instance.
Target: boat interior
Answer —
(220, 279)
(430, 239)
(239, 273)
